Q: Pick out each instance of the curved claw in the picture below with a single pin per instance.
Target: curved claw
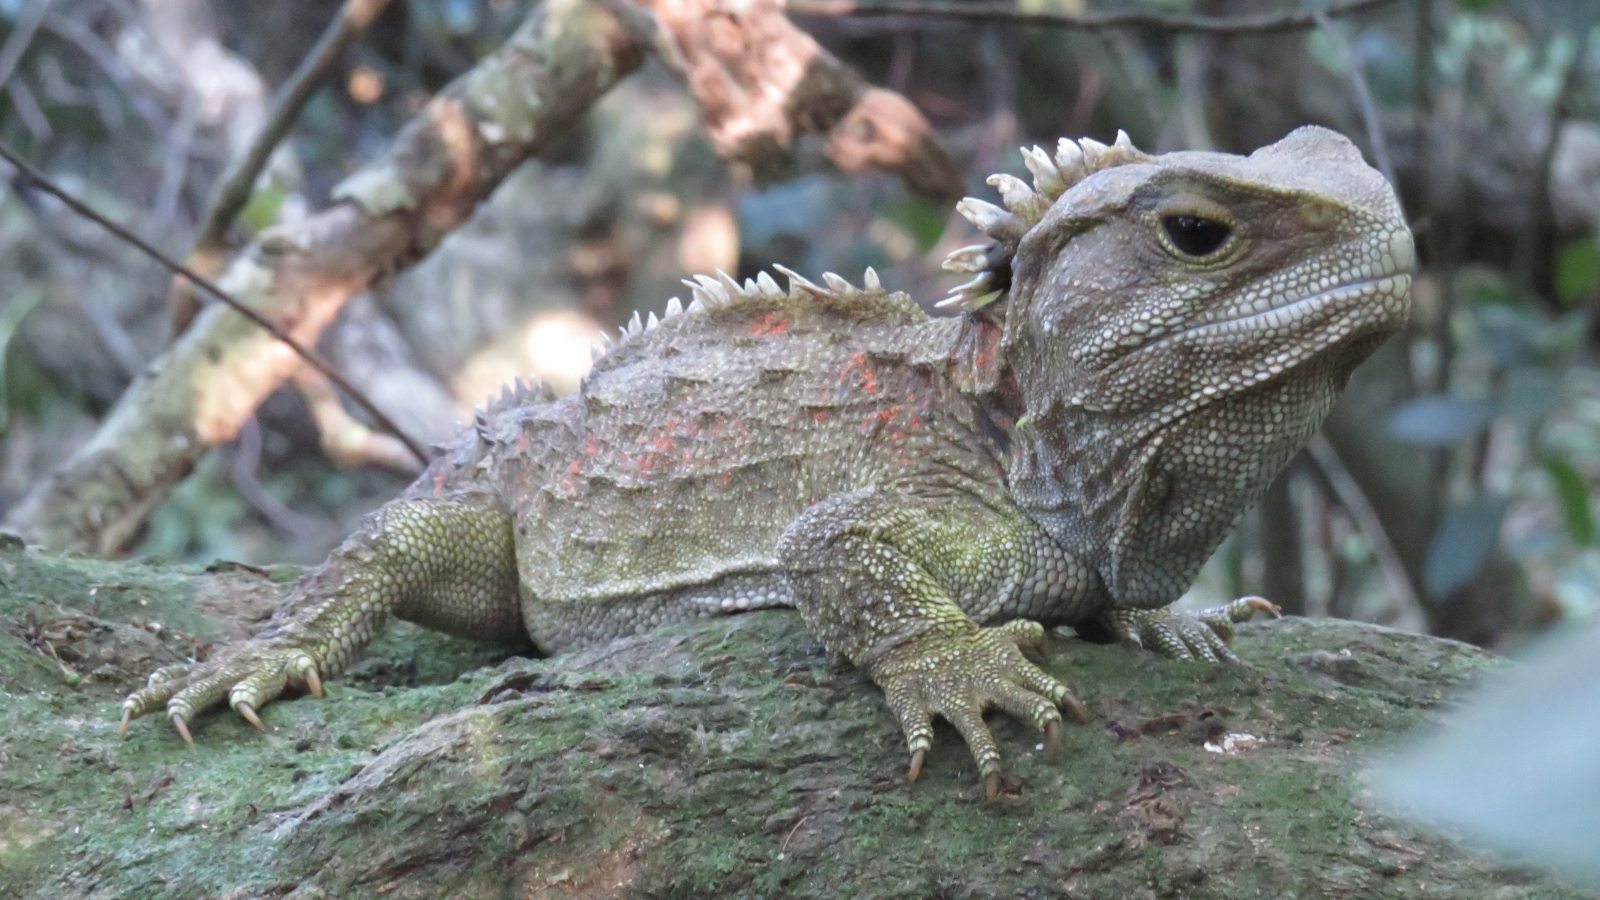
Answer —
(1075, 707)
(313, 681)
(991, 786)
(1052, 742)
(1243, 608)
(916, 765)
(183, 728)
(244, 709)
(127, 716)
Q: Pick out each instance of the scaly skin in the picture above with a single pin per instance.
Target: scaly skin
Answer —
(930, 493)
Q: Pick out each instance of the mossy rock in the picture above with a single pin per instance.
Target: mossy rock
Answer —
(726, 758)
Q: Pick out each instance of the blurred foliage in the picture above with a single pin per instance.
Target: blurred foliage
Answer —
(1472, 440)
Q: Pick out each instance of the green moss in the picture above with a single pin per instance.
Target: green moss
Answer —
(727, 757)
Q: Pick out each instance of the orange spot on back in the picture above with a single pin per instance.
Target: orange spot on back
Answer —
(771, 324)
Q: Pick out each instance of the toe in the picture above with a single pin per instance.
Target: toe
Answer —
(985, 752)
(1198, 638)
(1026, 705)
(1025, 633)
(196, 698)
(259, 687)
(1037, 680)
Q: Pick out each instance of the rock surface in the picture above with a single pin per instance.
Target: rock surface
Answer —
(727, 758)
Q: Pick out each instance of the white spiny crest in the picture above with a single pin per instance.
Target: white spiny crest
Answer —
(769, 286)
(797, 282)
(723, 291)
(1024, 207)
(715, 288)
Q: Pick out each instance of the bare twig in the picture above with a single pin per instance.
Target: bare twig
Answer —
(22, 32)
(15, 309)
(344, 440)
(246, 460)
(80, 35)
(990, 12)
(1364, 102)
(1541, 228)
(33, 176)
(27, 108)
(175, 165)
(1355, 502)
(233, 188)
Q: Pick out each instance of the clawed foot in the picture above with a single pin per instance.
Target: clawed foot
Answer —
(250, 676)
(1184, 635)
(960, 676)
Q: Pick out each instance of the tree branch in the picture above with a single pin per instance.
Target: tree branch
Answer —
(990, 12)
(438, 169)
(34, 177)
(762, 82)
(1364, 101)
(232, 191)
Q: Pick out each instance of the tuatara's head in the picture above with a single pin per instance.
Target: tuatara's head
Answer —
(1177, 326)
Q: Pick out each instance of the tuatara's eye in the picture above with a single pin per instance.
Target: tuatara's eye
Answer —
(1194, 235)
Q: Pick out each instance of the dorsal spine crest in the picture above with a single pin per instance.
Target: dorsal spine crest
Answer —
(1025, 206)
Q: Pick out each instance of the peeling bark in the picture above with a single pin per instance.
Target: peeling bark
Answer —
(762, 83)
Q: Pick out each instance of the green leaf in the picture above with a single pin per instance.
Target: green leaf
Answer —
(1574, 496)
(921, 218)
(262, 208)
(1438, 420)
(1466, 536)
(1578, 271)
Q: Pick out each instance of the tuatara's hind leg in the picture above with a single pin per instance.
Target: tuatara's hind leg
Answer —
(1185, 635)
(449, 564)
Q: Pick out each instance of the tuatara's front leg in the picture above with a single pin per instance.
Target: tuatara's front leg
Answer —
(1185, 635)
(449, 564)
(877, 576)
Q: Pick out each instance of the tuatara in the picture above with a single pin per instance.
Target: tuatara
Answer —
(1144, 344)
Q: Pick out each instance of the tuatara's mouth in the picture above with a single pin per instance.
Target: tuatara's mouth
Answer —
(1384, 296)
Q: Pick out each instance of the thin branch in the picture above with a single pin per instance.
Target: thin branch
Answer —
(28, 110)
(233, 188)
(33, 176)
(80, 35)
(1364, 102)
(344, 440)
(1360, 508)
(1541, 229)
(989, 12)
(22, 32)
(246, 461)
